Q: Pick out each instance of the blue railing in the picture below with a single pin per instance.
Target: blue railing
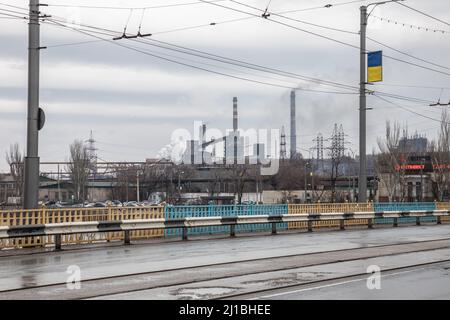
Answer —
(404, 206)
(177, 212)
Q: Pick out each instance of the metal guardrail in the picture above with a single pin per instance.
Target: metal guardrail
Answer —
(70, 215)
(176, 212)
(127, 226)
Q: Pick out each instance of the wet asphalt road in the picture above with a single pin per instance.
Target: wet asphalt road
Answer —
(49, 268)
(425, 283)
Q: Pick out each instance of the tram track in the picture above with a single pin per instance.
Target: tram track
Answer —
(123, 284)
(280, 290)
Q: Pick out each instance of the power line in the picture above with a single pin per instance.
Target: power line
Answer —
(423, 13)
(411, 86)
(411, 26)
(267, 14)
(331, 39)
(188, 65)
(407, 54)
(291, 85)
(130, 8)
(12, 6)
(408, 110)
(11, 16)
(341, 42)
(206, 55)
(284, 73)
(262, 68)
(73, 44)
(285, 24)
(399, 97)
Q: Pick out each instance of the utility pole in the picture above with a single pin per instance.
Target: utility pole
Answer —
(362, 181)
(31, 189)
(138, 191)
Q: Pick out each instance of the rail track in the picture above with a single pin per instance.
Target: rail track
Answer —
(187, 276)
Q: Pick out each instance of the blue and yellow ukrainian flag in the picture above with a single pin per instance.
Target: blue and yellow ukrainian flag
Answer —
(375, 66)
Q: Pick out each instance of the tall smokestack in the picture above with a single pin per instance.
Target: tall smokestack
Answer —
(235, 129)
(293, 126)
(235, 114)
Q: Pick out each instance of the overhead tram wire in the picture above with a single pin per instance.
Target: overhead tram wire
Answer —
(11, 16)
(291, 85)
(423, 13)
(112, 33)
(412, 86)
(284, 24)
(131, 8)
(326, 6)
(407, 54)
(409, 110)
(316, 25)
(189, 65)
(331, 39)
(322, 81)
(232, 61)
(268, 14)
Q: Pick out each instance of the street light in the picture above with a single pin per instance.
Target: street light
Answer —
(362, 183)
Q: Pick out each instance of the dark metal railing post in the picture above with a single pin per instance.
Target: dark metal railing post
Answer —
(58, 242)
(310, 226)
(395, 222)
(126, 237)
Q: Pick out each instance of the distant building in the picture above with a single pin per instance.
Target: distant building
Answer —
(234, 143)
(415, 144)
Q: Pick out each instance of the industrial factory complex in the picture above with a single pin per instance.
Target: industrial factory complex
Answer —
(229, 169)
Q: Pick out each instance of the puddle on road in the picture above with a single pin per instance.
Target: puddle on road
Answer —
(202, 293)
(292, 278)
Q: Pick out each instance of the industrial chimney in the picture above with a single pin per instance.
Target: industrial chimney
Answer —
(235, 114)
(235, 129)
(293, 126)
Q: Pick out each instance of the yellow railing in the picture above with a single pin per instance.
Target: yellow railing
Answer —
(327, 208)
(67, 215)
(443, 206)
(330, 207)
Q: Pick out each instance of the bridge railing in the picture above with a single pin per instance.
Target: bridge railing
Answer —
(75, 215)
(60, 230)
(329, 207)
(177, 212)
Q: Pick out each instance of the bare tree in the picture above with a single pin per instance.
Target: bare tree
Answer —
(440, 156)
(390, 163)
(291, 175)
(14, 158)
(78, 169)
(124, 176)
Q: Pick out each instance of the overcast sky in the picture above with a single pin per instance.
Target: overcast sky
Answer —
(133, 102)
